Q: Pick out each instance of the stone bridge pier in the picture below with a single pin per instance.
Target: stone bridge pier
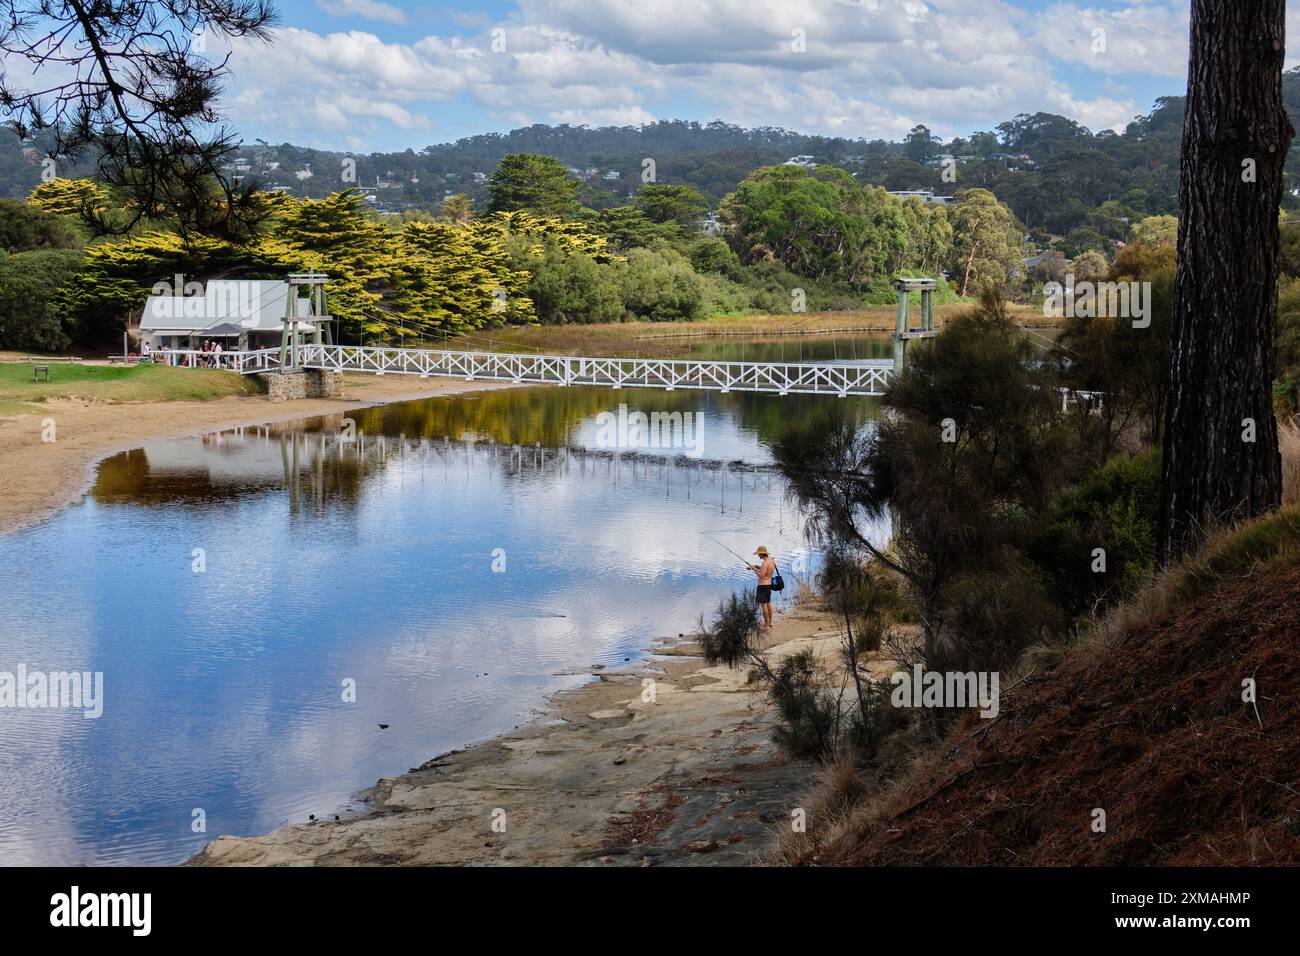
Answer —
(303, 383)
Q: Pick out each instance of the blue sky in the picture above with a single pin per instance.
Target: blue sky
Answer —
(368, 75)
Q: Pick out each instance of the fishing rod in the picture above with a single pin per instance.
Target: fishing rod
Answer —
(728, 550)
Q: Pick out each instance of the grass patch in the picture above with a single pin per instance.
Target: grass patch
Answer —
(109, 383)
(10, 409)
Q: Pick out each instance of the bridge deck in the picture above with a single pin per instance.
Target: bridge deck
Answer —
(867, 377)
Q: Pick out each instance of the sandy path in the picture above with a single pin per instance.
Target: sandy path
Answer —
(37, 478)
(605, 778)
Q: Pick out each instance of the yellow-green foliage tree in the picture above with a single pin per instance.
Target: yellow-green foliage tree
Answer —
(116, 277)
(70, 197)
(461, 271)
(419, 279)
(1156, 231)
(567, 234)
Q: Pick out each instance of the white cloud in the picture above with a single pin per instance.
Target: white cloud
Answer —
(1096, 114)
(340, 82)
(871, 68)
(1144, 38)
(369, 9)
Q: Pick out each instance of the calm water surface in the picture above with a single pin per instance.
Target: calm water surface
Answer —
(457, 561)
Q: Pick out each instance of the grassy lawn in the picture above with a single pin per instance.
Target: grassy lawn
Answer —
(666, 339)
(109, 383)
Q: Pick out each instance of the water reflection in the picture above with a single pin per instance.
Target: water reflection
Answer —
(455, 559)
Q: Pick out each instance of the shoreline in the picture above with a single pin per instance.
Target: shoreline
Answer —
(616, 772)
(592, 777)
(41, 479)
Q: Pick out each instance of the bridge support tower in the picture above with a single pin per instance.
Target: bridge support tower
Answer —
(903, 331)
(299, 314)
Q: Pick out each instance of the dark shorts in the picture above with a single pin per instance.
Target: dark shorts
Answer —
(765, 594)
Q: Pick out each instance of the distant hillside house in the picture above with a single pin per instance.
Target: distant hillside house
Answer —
(241, 314)
(805, 161)
(924, 195)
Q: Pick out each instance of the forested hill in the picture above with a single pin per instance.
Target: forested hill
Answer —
(1056, 175)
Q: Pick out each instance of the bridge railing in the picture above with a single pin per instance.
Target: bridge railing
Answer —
(246, 363)
(838, 378)
(852, 378)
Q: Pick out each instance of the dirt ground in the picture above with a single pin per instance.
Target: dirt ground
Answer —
(39, 477)
(1153, 732)
(612, 775)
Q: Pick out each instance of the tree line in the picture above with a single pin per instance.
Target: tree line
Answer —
(790, 239)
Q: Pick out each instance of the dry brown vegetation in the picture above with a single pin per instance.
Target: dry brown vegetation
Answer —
(1288, 434)
(676, 339)
(1143, 719)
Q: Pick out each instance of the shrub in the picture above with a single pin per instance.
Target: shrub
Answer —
(1117, 509)
(809, 717)
(1286, 390)
(567, 285)
(991, 616)
(24, 227)
(711, 254)
(731, 637)
(659, 285)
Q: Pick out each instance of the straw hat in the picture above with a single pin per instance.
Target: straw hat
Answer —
(761, 552)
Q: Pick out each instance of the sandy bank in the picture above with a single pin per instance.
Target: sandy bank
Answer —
(606, 777)
(38, 478)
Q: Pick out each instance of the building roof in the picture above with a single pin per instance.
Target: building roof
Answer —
(227, 307)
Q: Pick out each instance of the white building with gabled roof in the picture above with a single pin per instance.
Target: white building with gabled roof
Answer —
(242, 314)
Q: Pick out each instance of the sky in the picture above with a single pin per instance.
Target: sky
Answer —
(373, 75)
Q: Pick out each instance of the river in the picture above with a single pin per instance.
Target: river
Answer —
(260, 601)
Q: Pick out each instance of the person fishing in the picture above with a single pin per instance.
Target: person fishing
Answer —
(764, 570)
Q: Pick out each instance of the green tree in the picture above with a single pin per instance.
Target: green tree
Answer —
(818, 223)
(30, 311)
(457, 208)
(1090, 266)
(919, 146)
(531, 183)
(986, 240)
(712, 254)
(929, 237)
(627, 227)
(24, 227)
(659, 285)
(666, 202)
(1156, 231)
(566, 285)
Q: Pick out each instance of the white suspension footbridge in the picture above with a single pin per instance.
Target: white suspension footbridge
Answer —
(844, 378)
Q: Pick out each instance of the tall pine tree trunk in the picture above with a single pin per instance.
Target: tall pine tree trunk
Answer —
(1235, 141)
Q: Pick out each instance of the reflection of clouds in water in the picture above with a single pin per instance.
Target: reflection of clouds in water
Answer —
(714, 432)
(363, 562)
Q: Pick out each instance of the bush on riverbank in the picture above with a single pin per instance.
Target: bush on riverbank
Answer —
(732, 636)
